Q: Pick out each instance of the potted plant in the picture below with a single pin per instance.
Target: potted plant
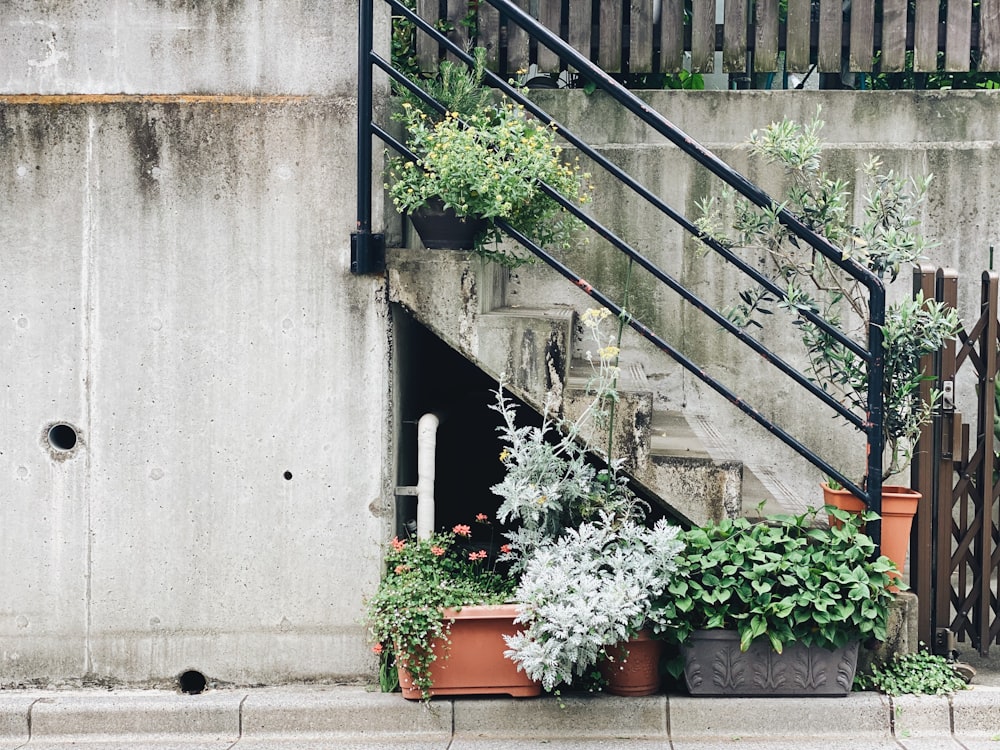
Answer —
(439, 617)
(481, 162)
(886, 238)
(776, 607)
(588, 591)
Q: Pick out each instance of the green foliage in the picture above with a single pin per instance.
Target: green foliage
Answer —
(487, 162)
(422, 578)
(920, 673)
(782, 579)
(886, 237)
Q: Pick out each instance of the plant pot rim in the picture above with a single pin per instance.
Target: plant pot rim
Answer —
(482, 611)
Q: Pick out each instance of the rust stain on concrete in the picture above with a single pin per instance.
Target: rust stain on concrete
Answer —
(60, 99)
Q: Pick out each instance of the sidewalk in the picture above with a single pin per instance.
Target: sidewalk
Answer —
(310, 718)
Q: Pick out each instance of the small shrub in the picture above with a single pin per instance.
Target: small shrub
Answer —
(920, 673)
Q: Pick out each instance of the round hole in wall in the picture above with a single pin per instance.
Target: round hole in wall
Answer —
(287, 475)
(192, 682)
(62, 437)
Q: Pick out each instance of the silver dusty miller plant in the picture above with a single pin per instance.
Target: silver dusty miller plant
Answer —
(593, 587)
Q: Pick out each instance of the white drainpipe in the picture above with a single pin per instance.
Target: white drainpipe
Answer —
(426, 450)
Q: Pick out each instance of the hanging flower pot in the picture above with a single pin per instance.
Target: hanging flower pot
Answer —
(633, 667)
(899, 506)
(441, 229)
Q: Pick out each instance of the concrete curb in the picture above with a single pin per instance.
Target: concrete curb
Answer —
(309, 718)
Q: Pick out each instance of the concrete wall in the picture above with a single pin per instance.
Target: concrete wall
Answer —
(174, 284)
(953, 135)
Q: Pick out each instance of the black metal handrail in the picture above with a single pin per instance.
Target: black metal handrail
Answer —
(871, 423)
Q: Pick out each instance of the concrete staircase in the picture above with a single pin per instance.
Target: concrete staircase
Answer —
(464, 302)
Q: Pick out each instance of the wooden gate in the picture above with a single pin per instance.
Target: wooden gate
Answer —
(955, 549)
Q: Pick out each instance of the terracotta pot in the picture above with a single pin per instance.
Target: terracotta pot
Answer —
(899, 506)
(634, 667)
(715, 665)
(440, 229)
(474, 664)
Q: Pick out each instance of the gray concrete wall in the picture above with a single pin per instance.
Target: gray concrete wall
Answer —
(174, 283)
(953, 135)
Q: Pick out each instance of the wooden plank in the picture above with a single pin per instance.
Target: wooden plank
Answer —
(609, 36)
(427, 48)
(488, 21)
(640, 59)
(458, 19)
(958, 36)
(862, 50)
(703, 36)
(893, 57)
(734, 37)
(579, 26)
(925, 36)
(517, 44)
(550, 16)
(798, 35)
(765, 59)
(672, 36)
(831, 19)
(989, 35)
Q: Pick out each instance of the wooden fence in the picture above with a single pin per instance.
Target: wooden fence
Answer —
(652, 36)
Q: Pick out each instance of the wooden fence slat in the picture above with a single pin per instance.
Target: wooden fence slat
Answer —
(672, 36)
(765, 59)
(579, 26)
(925, 36)
(640, 56)
(609, 38)
(489, 34)
(427, 48)
(703, 37)
(517, 43)
(958, 36)
(798, 36)
(734, 37)
(893, 58)
(862, 50)
(458, 11)
(550, 15)
(989, 35)
(831, 19)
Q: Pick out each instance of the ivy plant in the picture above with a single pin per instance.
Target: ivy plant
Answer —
(919, 673)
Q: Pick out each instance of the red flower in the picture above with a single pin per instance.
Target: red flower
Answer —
(397, 544)
(481, 555)
(437, 551)
(482, 517)
(505, 548)
(462, 530)
(400, 569)
(377, 648)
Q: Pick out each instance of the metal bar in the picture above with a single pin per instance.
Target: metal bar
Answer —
(946, 287)
(361, 242)
(873, 480)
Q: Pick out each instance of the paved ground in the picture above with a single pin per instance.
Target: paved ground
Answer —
(310, 718)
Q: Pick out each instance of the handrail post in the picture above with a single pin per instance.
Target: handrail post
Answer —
(876, 379)
(366, 248)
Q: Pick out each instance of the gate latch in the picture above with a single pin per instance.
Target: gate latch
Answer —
(948, 395)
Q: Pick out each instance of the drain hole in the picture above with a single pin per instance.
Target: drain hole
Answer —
(62, 437)
(192, 682)
(287, 475)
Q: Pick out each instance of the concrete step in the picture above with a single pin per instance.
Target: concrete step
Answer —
(306, 717)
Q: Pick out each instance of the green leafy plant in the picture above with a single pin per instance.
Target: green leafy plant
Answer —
(592, 587)
(422, 578)
(487, 162)
(919, 673)
(781, 578)
(886, 237)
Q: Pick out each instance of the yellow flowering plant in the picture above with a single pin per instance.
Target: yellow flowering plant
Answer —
(489, 163)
